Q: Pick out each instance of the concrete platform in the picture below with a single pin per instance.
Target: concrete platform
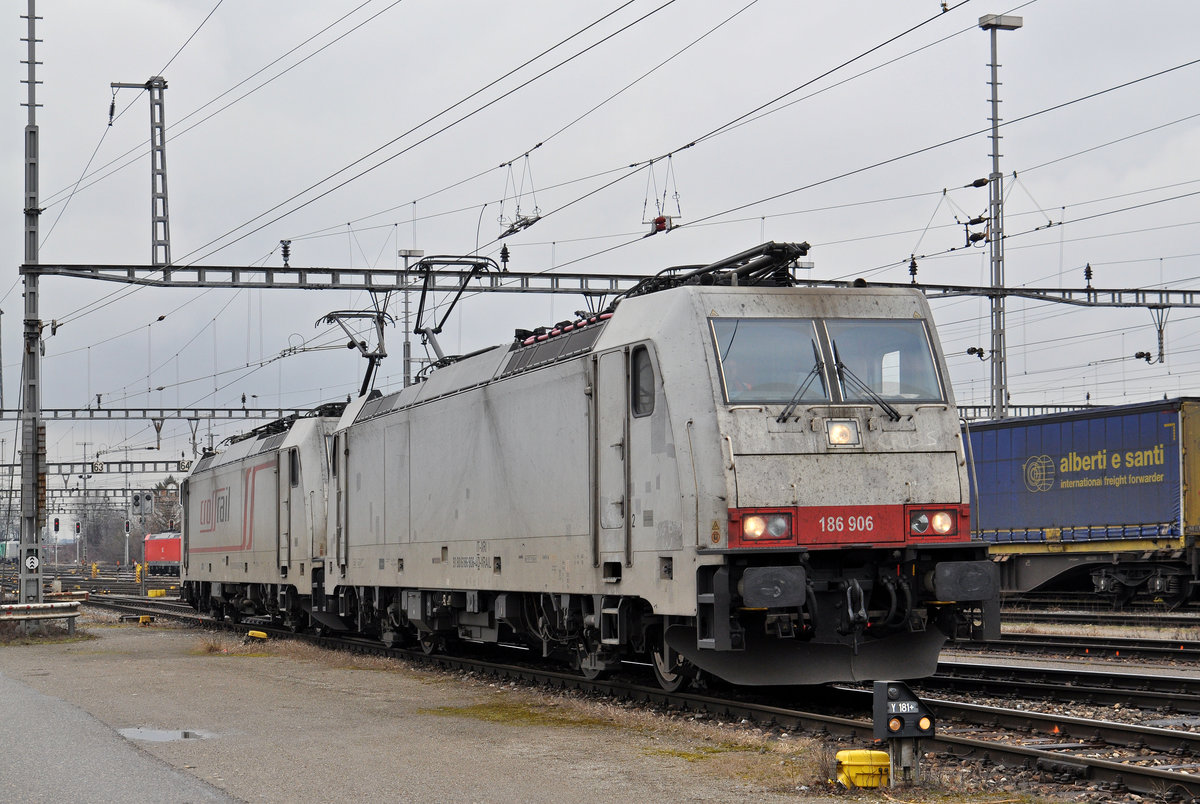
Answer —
(288, 728)
(54, 751)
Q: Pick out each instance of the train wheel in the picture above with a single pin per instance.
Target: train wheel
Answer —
(593, 673)
(430, 643)
(1176, 597)
(670, 669)
(588, 669)
(1123, 594)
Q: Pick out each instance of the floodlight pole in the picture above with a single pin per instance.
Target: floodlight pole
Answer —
(994, 23)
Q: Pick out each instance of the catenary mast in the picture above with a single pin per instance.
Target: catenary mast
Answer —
(33, 433)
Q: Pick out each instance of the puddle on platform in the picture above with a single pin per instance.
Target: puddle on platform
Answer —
(162, 735)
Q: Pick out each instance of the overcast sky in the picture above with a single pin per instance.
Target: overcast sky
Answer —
(880, 126)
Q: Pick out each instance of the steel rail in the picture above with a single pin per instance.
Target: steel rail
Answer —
(1101, 687)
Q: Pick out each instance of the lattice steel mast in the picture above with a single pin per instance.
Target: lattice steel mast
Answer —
(160, 228)
(33, 431)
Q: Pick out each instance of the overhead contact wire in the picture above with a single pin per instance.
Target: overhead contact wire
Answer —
(177, 133)
(427, 121)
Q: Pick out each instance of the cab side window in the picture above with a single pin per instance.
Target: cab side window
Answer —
(641, 388)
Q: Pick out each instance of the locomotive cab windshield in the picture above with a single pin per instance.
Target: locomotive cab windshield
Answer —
(891, 359)
(766, 360)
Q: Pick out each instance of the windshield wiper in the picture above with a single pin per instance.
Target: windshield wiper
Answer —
(813, 373)
(861, 387)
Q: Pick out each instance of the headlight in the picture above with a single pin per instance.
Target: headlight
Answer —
(942, 523)
(842, 432)
(772, 526)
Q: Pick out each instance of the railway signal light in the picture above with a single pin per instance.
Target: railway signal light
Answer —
(899, 713)
(77, 528)
(56, 524)
(127, 526)
(901, 719)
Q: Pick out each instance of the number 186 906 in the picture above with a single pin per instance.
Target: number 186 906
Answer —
(847, 524)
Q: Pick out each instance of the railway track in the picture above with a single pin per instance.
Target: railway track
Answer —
(1161, 694)
(122, 583)
(1148, 760)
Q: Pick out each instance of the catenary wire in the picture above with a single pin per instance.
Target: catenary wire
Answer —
(415, 128)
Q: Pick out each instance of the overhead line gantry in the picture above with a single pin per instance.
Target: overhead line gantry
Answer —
(586, 284)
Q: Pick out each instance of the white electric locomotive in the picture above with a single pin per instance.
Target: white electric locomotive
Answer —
(723, 473)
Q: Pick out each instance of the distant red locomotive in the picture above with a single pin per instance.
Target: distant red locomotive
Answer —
(162, 553)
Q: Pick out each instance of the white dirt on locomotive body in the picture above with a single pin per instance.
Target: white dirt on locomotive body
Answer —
(611, 490)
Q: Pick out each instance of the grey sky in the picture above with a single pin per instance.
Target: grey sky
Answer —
(419, 57)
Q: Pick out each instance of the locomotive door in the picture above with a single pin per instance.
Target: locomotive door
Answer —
(342, 504)
(611, 450)
(287, 478)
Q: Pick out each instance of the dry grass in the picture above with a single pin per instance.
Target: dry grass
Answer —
(223, 644)
(43, 632)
